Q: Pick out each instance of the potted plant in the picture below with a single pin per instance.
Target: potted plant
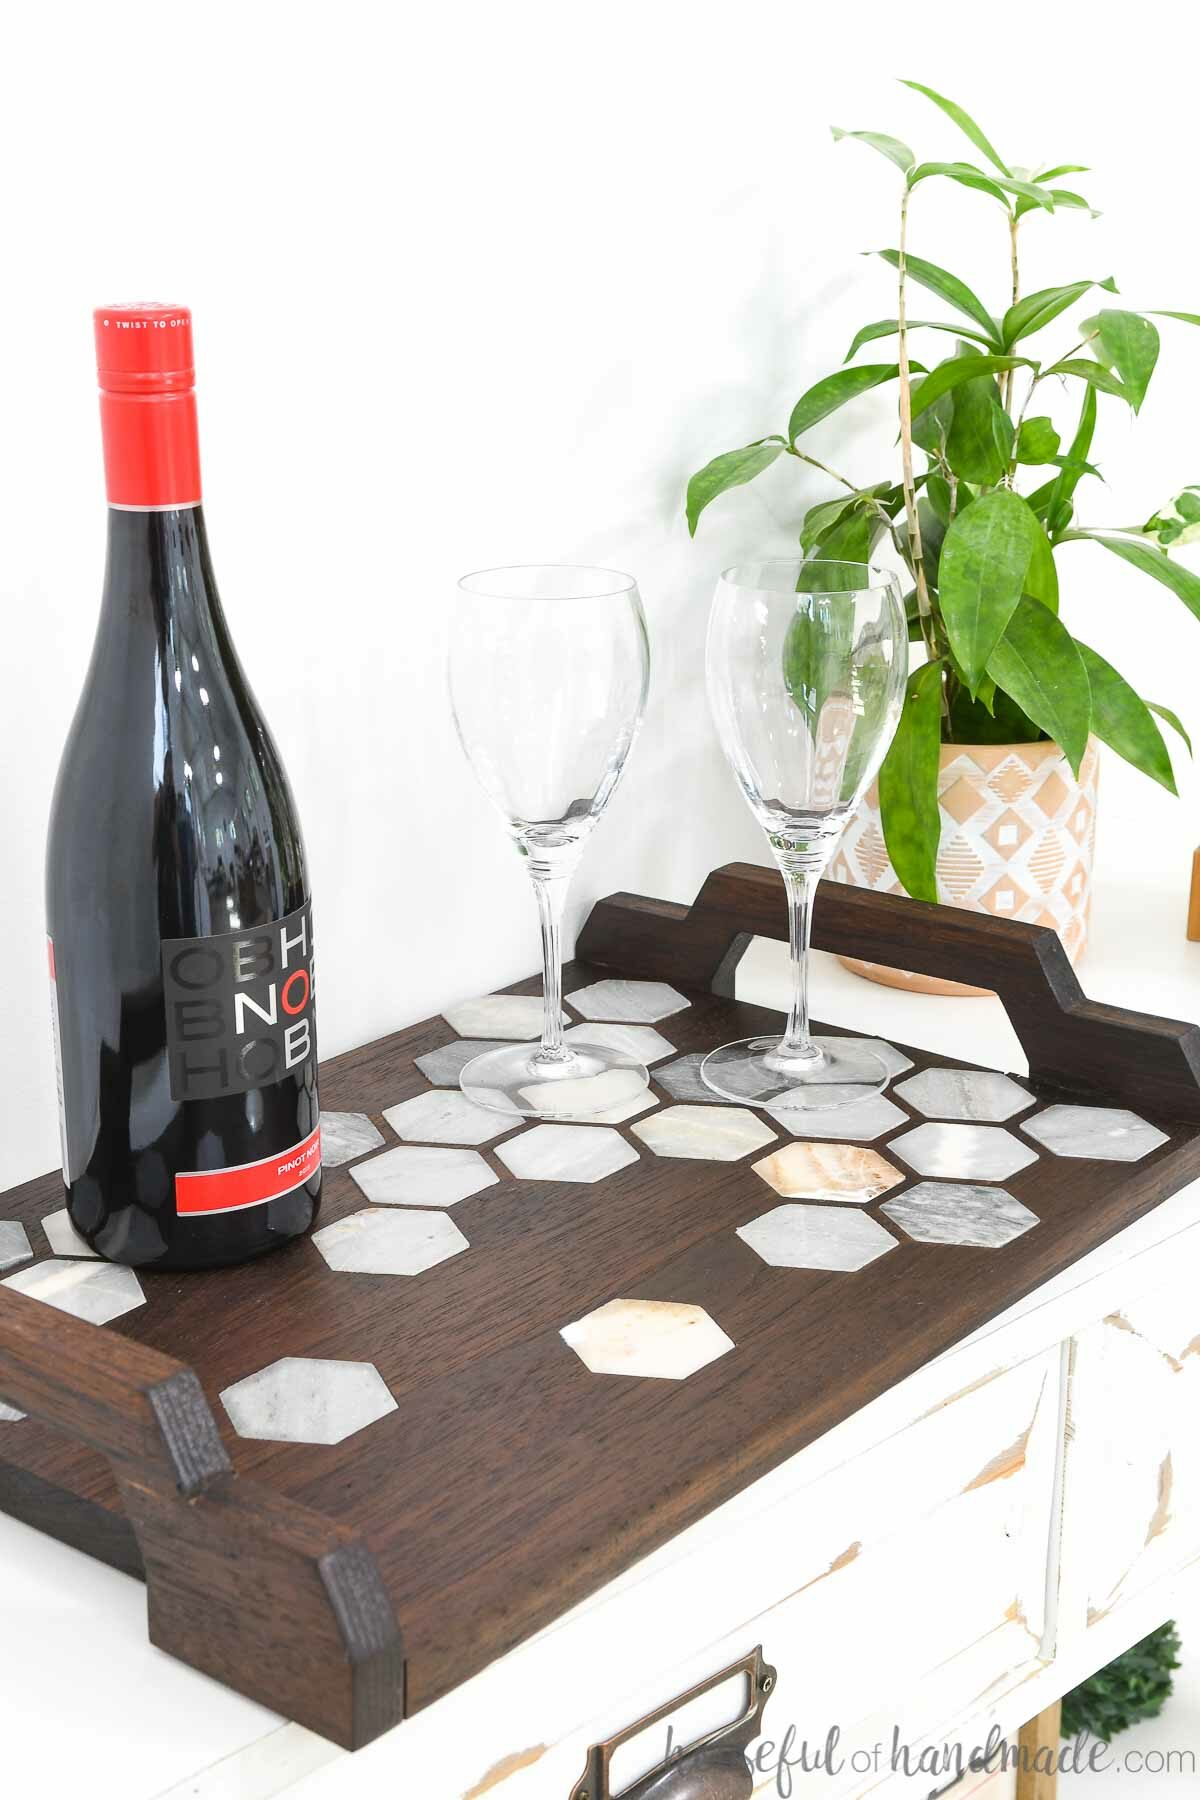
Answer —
(987, 796)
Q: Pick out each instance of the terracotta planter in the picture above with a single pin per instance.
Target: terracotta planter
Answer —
(1018, 834)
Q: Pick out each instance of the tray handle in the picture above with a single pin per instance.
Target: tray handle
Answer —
(244, 1584)
(1080, 1046)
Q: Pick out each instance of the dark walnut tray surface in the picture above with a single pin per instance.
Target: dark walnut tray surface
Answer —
(516, 1356)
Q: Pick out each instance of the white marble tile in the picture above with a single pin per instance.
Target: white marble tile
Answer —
(683, 1081)
(709, 1133)
(641, 1041)
(505, 1016)
(964, 1094)
(608, 1098)
(893, 1060)
(345, 1135)
(1100, 1133)
(97, 1291)
(857, 1122)
(14, 1244)
(817, 1237)
(382, 1242)
(953, 1212)
(637, 1002)
(308, 1400)
(663, 1339)
(827, 1172)
(446, 1116)
(982, 1152)
(420, 1175)
(566, 1153)
(63, 1238)
(9, 1414)
(444, 1065)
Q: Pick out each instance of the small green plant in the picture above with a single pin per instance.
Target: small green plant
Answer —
(1135, 1686)
(1001, 666)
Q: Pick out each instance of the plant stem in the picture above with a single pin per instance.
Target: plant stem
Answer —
(1013, 227)
(924, 606)
(833, 475)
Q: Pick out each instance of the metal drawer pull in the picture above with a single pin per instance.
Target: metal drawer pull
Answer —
(713, 1768)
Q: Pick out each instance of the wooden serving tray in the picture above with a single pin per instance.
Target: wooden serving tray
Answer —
(498, 1480)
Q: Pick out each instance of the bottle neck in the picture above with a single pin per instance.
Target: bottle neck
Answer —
(158, 570)
(151, 450)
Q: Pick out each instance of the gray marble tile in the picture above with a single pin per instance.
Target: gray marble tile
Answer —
(420, 1175)
(14, 1244)
(817, 1237)
(708, 1133)
(444, 1065)
(308, 1400)
(508, 1016)
(683, 1081)
(953, 1212)
(635, 1002)
(63, 1238)
(1099, 1133)
(857, 1122)
(97, 1291)
(579, 1098)
(665, 1340)
(964, 1094)
(345, 1135)
(641, 1041)
(566, 1153)
(982, 1152)
(446, 1116)
(376, 1241)
(9, 1415)
(846, 1172)
(893, 1060)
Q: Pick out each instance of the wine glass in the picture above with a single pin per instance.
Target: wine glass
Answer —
(549, 666)
(806, 664)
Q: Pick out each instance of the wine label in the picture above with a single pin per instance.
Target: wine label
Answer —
(252, 1184)
(56, 1034)
(239, 1007)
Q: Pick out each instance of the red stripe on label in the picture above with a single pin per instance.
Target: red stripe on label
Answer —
(228, 1190)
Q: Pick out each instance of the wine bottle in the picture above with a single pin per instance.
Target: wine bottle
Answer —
(177, 897)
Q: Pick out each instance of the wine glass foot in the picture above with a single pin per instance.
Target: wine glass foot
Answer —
(754, 1072)
(592, 1081)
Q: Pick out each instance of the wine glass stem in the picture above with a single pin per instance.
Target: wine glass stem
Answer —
(796, 1040)
(551, 894)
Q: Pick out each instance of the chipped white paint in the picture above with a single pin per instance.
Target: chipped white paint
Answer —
(384, 1242)
(97, 1291)
(979, 1094)
(665, 1339)
(567, 1153)
(707, 1133)
(308, 1400)
(982, 1152)
(506, 1016)
(345, 1135)
(827, 1172)
(444, 1065)
(62, 1236)
(817, 1237)
(446, 1116)
(636, 1002)
(423, 1175)
(641, 1041)
(952, 1212)
(14, 1244)
(1103, 1133)
(858, 1121)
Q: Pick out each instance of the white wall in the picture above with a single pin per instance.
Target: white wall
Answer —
(485, 283)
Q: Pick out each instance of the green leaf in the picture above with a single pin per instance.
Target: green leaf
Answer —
(730, 470)
(1122, 720)
(1030, 194)
(834, 391)
(1155, 563)
(822, 519)
(949, 288)
(966, 174)
(1035, 310)
(1060, 197)
(1094, 373)
(1187, 318)
(1164, 712)
(965, 123)
(958, 369)
(1041, 577)
(979, 438)
(889, 327)
(1062, 169)
(1037, 441)
(887, 146)
(984, 563)
(938, 490)
(1187, 505)
(1062, 492)
(1037, 665)
(908, 797)
(1131, 343)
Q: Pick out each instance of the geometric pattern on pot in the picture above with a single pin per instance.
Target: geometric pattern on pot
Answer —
(817, 1237)
(382, 1242)
(974, 1152)
(421, 1175)
(708, 1133)
(663, 1339)
(1099, 1133)
(827, 1172)
(96, 1292)
(633, 1002)
(307, 1400)
(964, 1094)
(952, 1212)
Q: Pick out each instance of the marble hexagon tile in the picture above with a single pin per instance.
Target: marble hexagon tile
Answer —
(9, 1415)
(979, 1152)
(953, 1212)
(858, 1122)
(1100, 1133)
(664, 1339)
(683, 1081)
(893, 1060)
(423, 1175)
(845, 1172)
(979, 1094)
(63, 1238)
(345, 1135)
(566, 1153)
(633, 1002)
(704, 1133)
(444, 1065)
(446, 1116)
(308, 1400)
(579, 1098)
(14, 1244)
(507, 1016)
(97, 1291)
(379, 1241)
(836, 1238)
(641, 1041)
